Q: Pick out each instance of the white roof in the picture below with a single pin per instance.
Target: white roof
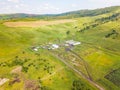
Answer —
(35, 49)
(72, 42)
(54, 46)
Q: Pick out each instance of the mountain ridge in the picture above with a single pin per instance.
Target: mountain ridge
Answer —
(71, 14)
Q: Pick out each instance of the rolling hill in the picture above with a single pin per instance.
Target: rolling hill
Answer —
(92, 65)
(73, 14)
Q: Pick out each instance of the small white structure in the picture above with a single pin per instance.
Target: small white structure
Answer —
(66, 44)
(72, 42)
(35, 49)
(55, 46)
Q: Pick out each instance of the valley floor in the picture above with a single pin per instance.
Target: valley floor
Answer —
(92, 65)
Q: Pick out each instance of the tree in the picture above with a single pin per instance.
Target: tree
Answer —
(68, 32)
(79, 85)
(24, 69)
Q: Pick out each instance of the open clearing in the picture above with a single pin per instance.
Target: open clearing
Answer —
(36, 23)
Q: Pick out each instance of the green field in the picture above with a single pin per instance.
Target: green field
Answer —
(100, 49)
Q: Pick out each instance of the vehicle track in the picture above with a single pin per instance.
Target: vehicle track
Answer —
(80, 73)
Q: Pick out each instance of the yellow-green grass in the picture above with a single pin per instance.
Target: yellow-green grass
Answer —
(17, 42)
(102, 54)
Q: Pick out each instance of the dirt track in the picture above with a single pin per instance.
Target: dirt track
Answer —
(80, 73)
(36, 23)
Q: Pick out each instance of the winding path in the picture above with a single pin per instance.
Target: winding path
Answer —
(80, 73)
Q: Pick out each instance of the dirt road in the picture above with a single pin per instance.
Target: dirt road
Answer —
(80, 73)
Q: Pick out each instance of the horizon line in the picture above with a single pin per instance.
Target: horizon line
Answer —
(60, 12)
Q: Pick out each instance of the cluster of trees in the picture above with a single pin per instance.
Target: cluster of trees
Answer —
(100, 21)
(114, 77)
(18, 61)
(88, 27)
(49, 68)
(68, 32)
(113, 17)
(25, 69)
(114, 33)
(79, 85)
(15, 62)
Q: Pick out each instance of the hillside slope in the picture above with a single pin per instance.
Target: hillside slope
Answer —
(73, 14)
(101, 48)
(99, 34)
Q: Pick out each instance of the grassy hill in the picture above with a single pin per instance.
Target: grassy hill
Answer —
(73, 14)
(101, 49)
(97, 30)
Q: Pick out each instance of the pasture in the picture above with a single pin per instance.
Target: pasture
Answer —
(46, 71)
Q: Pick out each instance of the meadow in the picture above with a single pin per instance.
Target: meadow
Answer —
(46, 71)
(28, 69)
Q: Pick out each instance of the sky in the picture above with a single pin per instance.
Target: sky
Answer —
(52, 6)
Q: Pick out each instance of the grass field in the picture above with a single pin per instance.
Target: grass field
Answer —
(101, 53)
(42, 69)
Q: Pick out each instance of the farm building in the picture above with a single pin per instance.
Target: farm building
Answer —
(55, 46)
(72, 42)
(35, 48)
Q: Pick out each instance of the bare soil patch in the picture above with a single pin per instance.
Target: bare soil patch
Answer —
(17, 70)
(36, 23)
(3, 80)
